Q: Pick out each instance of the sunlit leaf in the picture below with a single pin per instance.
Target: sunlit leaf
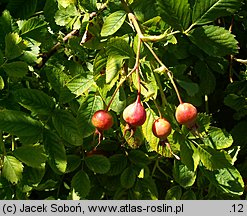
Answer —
(112, 23)
(214, 40)
(207, 11)
(176, 13)
(183, 175)
(32, 155)
(12, 169)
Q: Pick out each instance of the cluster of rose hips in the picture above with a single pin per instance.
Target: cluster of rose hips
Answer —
(135, 115)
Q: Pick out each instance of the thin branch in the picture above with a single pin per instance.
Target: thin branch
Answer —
(135, 68)
(242, 61)
(54, 49)
(166, 70)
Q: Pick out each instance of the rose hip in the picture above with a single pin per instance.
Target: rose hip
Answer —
(186, 114)
(135, 114)
(102, 120)
(161, 128)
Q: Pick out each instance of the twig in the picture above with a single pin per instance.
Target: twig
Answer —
(242, 61)
(135, 68)
(166, 70)
(54, 49)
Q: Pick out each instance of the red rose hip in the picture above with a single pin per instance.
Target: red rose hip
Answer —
(102, 120)
(135, 114)
(161, 128)
(186, 114)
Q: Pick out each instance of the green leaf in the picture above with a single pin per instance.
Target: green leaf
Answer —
(190, 87)
(18, 123)
(229, 180)
(35, 100)
(118, 47)
(48, 185)
(213, 159)
(81, 184)
(217, 64)
(144, 189)
(66, 16)
(152, 141)
(20, 8)
(31, 25)
(16, 69)
(214, 40)
(189, 195)
(55, 151)
(31, 155)
(32, 175)
(73, 162)
(80, 84)
(204, 121)
(1, 83)
(188, 152)
(13, 46)
(119, 101)
(89, 5)
(32, 53)
(118, 164)
(99, 63)
(134, 141)
(174, 193)
(218, 138)
(12, 169)
(112, 23)
(207, 11)
(58, 78)
(182, 175)
(176, 13)
(67, 127)
(138, 157)
(65, 3)
(149, 87)
(235, 101)
(207, 78)
(149, 183)
(239, 134)
(98, 163)
(113, 66)
(128, 177)
(92, 104)
(5, 25)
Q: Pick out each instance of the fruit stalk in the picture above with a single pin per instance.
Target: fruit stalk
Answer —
(166, 70)
(137, 64)
(157, 107)
(135, 68)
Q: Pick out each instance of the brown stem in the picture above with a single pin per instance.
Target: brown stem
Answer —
(54, 49)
